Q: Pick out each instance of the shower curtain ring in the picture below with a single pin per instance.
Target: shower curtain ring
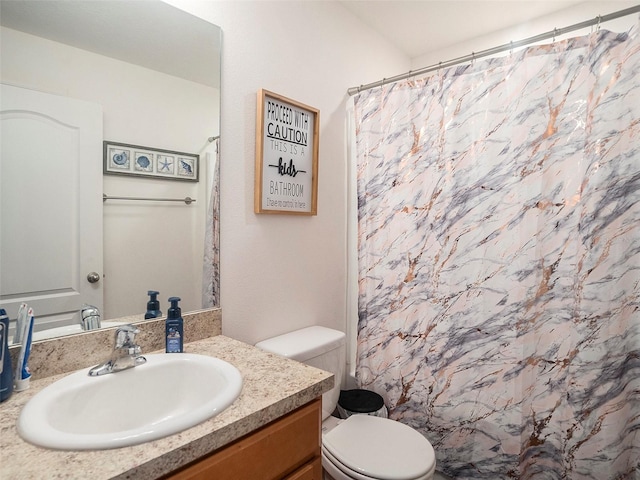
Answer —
(555, 31)
(598, 26)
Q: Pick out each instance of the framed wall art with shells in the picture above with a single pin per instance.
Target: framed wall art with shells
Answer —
(126, 159)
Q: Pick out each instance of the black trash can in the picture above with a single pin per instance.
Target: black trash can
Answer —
(360, 401)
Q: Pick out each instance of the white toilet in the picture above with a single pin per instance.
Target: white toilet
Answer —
(362, 447)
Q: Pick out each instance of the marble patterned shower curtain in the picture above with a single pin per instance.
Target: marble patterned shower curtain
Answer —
(211, 257)
(499, 259)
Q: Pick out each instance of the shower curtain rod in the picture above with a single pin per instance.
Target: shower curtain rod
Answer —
(502, 48)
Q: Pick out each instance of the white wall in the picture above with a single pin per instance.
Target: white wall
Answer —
(280, 272)
(154, 245)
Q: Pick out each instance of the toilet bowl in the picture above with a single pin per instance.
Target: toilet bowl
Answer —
(361, 447)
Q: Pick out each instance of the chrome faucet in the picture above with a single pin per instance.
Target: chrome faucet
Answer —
(126, 353)
(90, 317)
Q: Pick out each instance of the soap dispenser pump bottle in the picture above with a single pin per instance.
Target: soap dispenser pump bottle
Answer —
(173, 327)
(153, 305)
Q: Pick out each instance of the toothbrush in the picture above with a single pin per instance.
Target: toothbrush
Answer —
(23, 374)
(21, 322)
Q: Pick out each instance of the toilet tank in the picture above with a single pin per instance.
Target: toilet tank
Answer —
(319, 347)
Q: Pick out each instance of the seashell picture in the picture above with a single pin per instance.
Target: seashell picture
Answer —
(119, 158)
(136, 160)
(143, 162)
(186, 166)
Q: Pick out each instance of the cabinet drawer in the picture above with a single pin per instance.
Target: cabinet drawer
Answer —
(272, 452)
(311, 471)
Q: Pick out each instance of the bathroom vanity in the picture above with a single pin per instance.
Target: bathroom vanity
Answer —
(272, 430)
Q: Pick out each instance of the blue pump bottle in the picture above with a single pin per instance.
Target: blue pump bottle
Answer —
(6, 371)
(153, 306)
(173, 327)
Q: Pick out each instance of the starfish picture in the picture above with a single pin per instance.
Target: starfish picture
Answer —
(165, 164)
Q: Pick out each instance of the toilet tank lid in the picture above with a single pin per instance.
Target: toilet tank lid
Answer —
(304, 344)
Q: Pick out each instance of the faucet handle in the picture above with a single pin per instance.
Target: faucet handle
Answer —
(125, 336)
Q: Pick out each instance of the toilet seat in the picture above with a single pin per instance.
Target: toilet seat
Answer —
(337, 470)
(367, 447)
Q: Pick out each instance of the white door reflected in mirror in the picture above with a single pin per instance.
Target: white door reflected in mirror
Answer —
(51, 220)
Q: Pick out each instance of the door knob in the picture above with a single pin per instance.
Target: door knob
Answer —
(93, 277)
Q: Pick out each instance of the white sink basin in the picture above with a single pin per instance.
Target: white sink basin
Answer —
(168, 394)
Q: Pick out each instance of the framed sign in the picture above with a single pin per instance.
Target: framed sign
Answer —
(286, 156)
(136, 160)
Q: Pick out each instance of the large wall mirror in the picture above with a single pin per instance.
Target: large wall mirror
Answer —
(150, 74)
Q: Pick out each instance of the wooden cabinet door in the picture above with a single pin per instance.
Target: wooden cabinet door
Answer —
(274, 452)
(311, 471)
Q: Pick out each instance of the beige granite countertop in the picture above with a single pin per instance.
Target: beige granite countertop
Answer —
(272, 387)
